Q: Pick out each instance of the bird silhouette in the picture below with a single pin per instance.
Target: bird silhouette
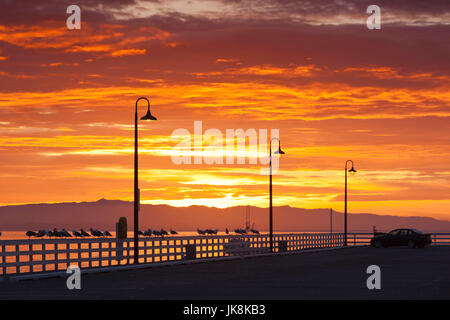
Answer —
(76, 234)
(201, 232)
(30, 234)
(96, 233)
(84, 233)
(107, 234)
(65, 233)
(157, 233)
(226, 231)
(57, 233)
(173, 232)
(41, 233)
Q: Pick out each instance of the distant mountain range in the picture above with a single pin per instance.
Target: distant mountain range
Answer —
(103, 214)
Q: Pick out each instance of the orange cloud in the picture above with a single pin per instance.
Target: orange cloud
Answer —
(113, 39)
(128, 52)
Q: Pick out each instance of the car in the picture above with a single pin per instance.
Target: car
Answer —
(401, 237)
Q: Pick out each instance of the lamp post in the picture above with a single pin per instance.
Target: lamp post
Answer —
(279, 151)
(148, 116)
(352, 171)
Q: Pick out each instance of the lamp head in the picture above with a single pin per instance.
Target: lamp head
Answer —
(352, 171)
(148, 116)
(279, 151)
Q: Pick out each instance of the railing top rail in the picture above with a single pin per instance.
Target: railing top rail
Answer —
(152, 238)
(34, 241)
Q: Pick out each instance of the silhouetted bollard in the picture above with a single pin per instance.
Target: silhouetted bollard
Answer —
(282, 246)
(190, 252)
(121, 235)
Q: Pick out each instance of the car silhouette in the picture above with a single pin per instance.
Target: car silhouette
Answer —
(401, 237)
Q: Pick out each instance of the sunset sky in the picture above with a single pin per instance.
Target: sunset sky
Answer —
(334, 89)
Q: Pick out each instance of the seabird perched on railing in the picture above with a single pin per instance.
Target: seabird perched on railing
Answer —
(96, 233)
(30, 234)
(84, 233)
(226, 231)
(148, 233)
(201, 232)
(65, 233)
(107, 234)
(57, 233)
(254, 231)
(41, 233)
(164, 232)
(173, 232)
(77, 234)
(157, 233)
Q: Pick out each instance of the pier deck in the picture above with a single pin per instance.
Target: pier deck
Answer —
(339, 274)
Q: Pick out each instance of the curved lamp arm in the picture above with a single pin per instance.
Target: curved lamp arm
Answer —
(346, 162)
(279, 147)
(142, 98)
(148, 115)
(352, 170)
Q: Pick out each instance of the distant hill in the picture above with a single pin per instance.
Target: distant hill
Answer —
(103, 214)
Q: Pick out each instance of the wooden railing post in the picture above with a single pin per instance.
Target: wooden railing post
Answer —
(30, 256)
(79, 256)
(44, 265)
(67, 254)
(4, 261)
(17, 259)
(90, 254)
(55, 252)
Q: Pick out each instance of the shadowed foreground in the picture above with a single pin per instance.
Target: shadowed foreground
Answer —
(340, 274)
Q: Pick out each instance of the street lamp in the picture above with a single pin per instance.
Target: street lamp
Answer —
(148, 116)
(352, 172)
(279, 151)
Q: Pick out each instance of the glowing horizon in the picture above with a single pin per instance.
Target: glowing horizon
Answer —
(333, 88)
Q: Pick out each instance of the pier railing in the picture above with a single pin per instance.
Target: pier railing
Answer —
(29, 258)
(35, 257)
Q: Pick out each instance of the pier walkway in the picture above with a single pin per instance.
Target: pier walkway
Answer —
(337, 274)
